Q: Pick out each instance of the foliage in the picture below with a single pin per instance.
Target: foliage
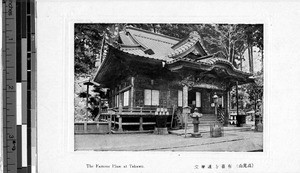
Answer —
(254, 33)
(249, 94)
(254, 38)
(226, 40)
(255, 90)
(87, 40)
(80, 101)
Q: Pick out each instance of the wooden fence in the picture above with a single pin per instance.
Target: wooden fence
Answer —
(92, 127)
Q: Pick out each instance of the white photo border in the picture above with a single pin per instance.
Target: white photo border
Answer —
(63, 81)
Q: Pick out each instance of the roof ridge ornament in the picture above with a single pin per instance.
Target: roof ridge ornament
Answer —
(149, 51)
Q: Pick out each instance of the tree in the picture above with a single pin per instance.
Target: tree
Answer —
(89, 39)
(224, 40)
(254, 35)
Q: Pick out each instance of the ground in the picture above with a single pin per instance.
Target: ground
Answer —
(235, 139)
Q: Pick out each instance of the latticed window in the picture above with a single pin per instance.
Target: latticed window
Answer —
(198, 99)
(126, 98)
(179, 98)
(151, 97)
(117, 100)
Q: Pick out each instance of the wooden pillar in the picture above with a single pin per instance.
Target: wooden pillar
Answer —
(185, 95)
(116, 101)
(169, 104)
(237, 98)
(120, 123)
(226, 106)
(109, 123)
(185, 104)
(112, 98)
(141, 123)
(120, 102)
(132, 94)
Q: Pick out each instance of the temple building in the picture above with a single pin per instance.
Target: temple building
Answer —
(149, 74)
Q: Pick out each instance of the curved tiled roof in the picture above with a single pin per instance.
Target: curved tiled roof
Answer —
(190, 42)
(210, 62)
(216, 60)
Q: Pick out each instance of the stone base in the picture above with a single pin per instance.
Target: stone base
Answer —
(196, 135)
(161, 131)
(216, 131)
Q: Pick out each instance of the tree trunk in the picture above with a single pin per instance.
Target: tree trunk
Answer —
(250, 58)
(229, 48)
(241, 59)
(233, 57)
(252, 61)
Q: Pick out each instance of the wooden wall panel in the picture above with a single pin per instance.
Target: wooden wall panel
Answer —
(139, 98)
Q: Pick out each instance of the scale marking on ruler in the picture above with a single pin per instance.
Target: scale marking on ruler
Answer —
(9, 87)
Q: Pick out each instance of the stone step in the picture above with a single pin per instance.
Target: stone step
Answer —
(208, 117)
(212, 119)
(205, 120)
(191, 125)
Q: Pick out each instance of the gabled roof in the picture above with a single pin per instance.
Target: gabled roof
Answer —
(158, 46)
(187, 45)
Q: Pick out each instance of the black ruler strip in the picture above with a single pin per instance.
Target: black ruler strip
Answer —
(19, 86)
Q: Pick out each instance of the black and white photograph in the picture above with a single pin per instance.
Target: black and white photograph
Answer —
(149, 86)
(169, 87)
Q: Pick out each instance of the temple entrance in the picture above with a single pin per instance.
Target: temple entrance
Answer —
(202, 100)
